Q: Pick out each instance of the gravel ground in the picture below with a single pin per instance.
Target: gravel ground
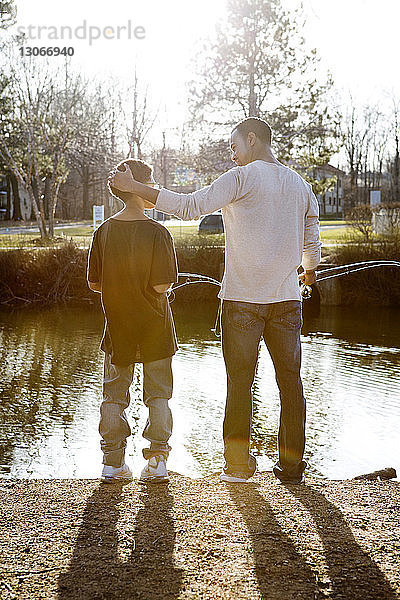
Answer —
(200, 539)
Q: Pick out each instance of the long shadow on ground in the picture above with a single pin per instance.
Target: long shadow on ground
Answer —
(97, 572)
(280, 570)
(354, 574)
(283, 573)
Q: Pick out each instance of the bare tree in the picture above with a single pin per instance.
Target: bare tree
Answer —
(259, 65)
(8, 13)
(44, 117)
(360, 220)
(395, 162)
(365, 140)
(367, 132)
(138, 118)
(93, 148)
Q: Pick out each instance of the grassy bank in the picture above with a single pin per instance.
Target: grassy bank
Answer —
(380, 286)
(48, 276)
(57, 275)
(81, 236)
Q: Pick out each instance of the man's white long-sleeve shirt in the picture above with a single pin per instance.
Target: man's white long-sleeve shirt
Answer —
(271, 225)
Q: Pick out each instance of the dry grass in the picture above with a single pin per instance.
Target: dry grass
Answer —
(373, 286)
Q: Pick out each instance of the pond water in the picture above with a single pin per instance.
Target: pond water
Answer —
(50, 393)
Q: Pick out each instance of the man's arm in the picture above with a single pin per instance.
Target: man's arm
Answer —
(312, 241)
(227, 188)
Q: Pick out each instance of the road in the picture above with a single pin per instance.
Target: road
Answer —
(20, 229)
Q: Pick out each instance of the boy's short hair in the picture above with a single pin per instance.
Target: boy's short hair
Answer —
(140, 170)
(258, 126)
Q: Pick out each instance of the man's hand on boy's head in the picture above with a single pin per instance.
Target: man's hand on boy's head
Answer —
(122, 180)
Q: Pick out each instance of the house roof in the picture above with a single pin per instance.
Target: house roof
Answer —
(327, 167)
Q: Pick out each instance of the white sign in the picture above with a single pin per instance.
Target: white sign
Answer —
(375, 197)
(98, 215)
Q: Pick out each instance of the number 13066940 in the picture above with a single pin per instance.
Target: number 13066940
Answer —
(46, 51)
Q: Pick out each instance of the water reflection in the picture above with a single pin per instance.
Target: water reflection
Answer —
(51, 391)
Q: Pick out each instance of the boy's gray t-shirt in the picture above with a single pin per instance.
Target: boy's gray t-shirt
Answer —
(129, 258)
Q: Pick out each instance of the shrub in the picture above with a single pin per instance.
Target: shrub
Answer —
(47, 276)
(380, 285)
(360, 220)
(58, 275)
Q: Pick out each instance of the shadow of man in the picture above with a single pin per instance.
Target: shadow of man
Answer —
(280, 570)
(97, 572)
(353, 574)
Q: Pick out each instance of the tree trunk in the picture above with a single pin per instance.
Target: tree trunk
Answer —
(53, 197)
(38, 206)
(8, 192)
(396, 174)
(40, 221)
(85, 193)
(47, 197)
(17, 215)
(51, 206)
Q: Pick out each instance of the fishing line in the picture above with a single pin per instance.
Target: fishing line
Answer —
(305, 290)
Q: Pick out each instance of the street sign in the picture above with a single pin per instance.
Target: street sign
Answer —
(98, 215)
(375, 197)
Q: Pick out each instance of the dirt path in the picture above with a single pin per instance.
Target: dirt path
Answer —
(200, 539)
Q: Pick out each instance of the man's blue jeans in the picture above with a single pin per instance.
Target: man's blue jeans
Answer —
(243, 326)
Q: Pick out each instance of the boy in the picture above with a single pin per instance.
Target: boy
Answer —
(132, 264)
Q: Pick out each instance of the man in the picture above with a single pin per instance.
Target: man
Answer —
(132, 263)
(271, 227)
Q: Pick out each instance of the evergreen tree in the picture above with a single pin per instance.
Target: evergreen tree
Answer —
(259, 65)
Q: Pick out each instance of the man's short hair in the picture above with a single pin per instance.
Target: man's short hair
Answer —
(140, 170)
(258, 126)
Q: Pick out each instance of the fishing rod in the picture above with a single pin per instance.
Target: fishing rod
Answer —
(305, 290)
(354, 267)
(349, 269)
(322, 275)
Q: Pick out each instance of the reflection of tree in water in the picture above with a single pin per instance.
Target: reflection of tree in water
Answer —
(194, 322)
(263, 436)
(147, 569)
(45, 359)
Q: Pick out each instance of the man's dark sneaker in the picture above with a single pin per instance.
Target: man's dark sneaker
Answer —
(295, 481)
(289, 478)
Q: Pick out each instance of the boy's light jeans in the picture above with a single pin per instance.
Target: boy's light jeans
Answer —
(114, 427)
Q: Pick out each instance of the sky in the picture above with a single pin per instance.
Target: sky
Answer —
(356, 40)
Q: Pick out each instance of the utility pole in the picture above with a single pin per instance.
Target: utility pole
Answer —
(164, 166)
(164, 161)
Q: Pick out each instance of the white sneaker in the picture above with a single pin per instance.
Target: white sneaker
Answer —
(113, 474)
(235, 477)
(156, 470)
